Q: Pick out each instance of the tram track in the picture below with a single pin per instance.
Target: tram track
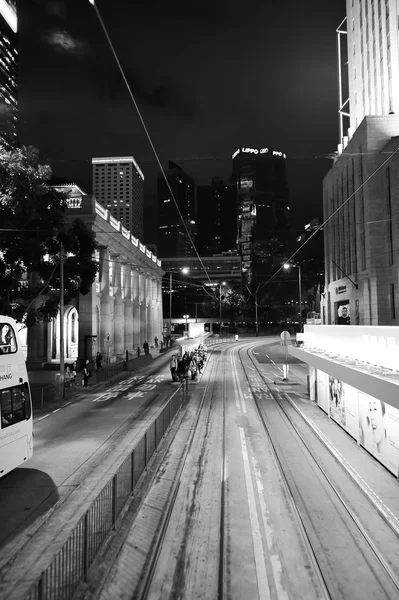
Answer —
(386, 581)
(203, 414)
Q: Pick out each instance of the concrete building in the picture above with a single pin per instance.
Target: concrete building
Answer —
(125, 302)
(360, 192)
(118, 185)
(353, 370)
(176, 224)
(8, 68)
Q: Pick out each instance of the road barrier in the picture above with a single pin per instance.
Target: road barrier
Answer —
(71, 565)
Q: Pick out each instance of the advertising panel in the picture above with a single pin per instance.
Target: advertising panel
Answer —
(344, 405)
(379, 430)
(322, 390)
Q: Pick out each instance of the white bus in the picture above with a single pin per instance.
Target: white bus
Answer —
(16, 424)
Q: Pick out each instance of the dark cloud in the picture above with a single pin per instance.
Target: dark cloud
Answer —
(63, 41)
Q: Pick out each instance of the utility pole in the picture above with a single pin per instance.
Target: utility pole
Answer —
(170, 303)
(300, 297)
(62, 355)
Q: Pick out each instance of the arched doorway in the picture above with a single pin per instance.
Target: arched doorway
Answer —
(71, 335)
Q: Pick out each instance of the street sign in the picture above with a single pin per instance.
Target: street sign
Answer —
(107, 341)
(285, 336)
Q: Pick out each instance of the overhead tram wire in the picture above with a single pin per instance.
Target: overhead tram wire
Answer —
(92, 2)
(391, 155)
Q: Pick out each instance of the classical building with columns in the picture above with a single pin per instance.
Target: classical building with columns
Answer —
(124, 307)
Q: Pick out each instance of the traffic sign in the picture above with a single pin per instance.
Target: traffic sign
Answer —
(107, 341)
(285, 336)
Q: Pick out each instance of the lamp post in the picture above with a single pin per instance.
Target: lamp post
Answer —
(287, 266)
(186, 317)
(184, 270)
(220, 300)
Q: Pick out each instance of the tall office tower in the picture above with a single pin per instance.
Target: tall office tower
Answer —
(216, 217)
(173, 239)
(118, 185)
(262, 204)
(360, 193)
(8, 68)
(368, 66)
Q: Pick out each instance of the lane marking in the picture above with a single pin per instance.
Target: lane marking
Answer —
(45, 417)
(270, 535)
(261, 574)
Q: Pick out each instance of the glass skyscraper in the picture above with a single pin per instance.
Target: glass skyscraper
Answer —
(8, 68)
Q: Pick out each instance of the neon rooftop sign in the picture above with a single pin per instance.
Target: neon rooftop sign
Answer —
(255, 151)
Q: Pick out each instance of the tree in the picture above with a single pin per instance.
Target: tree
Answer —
(35, 219)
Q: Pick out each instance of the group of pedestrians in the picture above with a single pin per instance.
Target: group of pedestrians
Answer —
(189, 365)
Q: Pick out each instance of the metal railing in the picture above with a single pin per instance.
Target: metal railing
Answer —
(71, 565)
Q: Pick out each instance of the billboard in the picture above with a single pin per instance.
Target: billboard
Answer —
(371, 422)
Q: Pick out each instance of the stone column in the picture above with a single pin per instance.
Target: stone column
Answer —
(128, 309)
(136, 309)
(119, 323)
(143, 308)
(150, 304)
(107, 304)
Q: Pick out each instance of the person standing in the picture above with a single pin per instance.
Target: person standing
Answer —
(99, 361)
(86, 374)
(173, 367)
(146, 347)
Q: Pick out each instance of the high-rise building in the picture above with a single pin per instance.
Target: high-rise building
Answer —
(216, 217)
(368, 65)
(174, 229)
(8, 68)
(360, 192)
(262, 202)
(118, 185)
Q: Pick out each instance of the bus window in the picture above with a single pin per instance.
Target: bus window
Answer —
(8, 342)
(14, 405)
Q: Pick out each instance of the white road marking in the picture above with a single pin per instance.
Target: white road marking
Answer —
(263, 582)
(45, 417)
(270, 536)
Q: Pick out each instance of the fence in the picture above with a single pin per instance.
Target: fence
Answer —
(70, 567)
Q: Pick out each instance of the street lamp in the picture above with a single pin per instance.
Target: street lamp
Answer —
(287, 266)
(184, 270)
(186, 317)
(220, 301)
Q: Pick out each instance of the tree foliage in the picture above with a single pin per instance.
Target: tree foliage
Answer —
(34, 216)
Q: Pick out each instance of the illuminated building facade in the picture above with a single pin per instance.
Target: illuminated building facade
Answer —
(173, 239)
(8, 68)
(368, 63)
(360, 192)
(118, 185)
(216, 217)
(262, 190)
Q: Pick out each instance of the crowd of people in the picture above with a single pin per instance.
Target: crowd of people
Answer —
(188, 366)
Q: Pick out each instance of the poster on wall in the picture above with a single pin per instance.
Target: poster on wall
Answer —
(343, 316)
(344, 405)
(322, 390)
(379, 430)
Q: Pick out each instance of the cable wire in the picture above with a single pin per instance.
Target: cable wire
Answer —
(92, 2)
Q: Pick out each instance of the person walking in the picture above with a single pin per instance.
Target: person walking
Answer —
(86, 374)
(99, 361)
(146, 347)
(173, 367)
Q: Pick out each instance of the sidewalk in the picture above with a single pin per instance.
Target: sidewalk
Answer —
(45, 391)
(375, 481)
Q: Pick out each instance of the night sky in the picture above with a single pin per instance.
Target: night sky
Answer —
(208, 78)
